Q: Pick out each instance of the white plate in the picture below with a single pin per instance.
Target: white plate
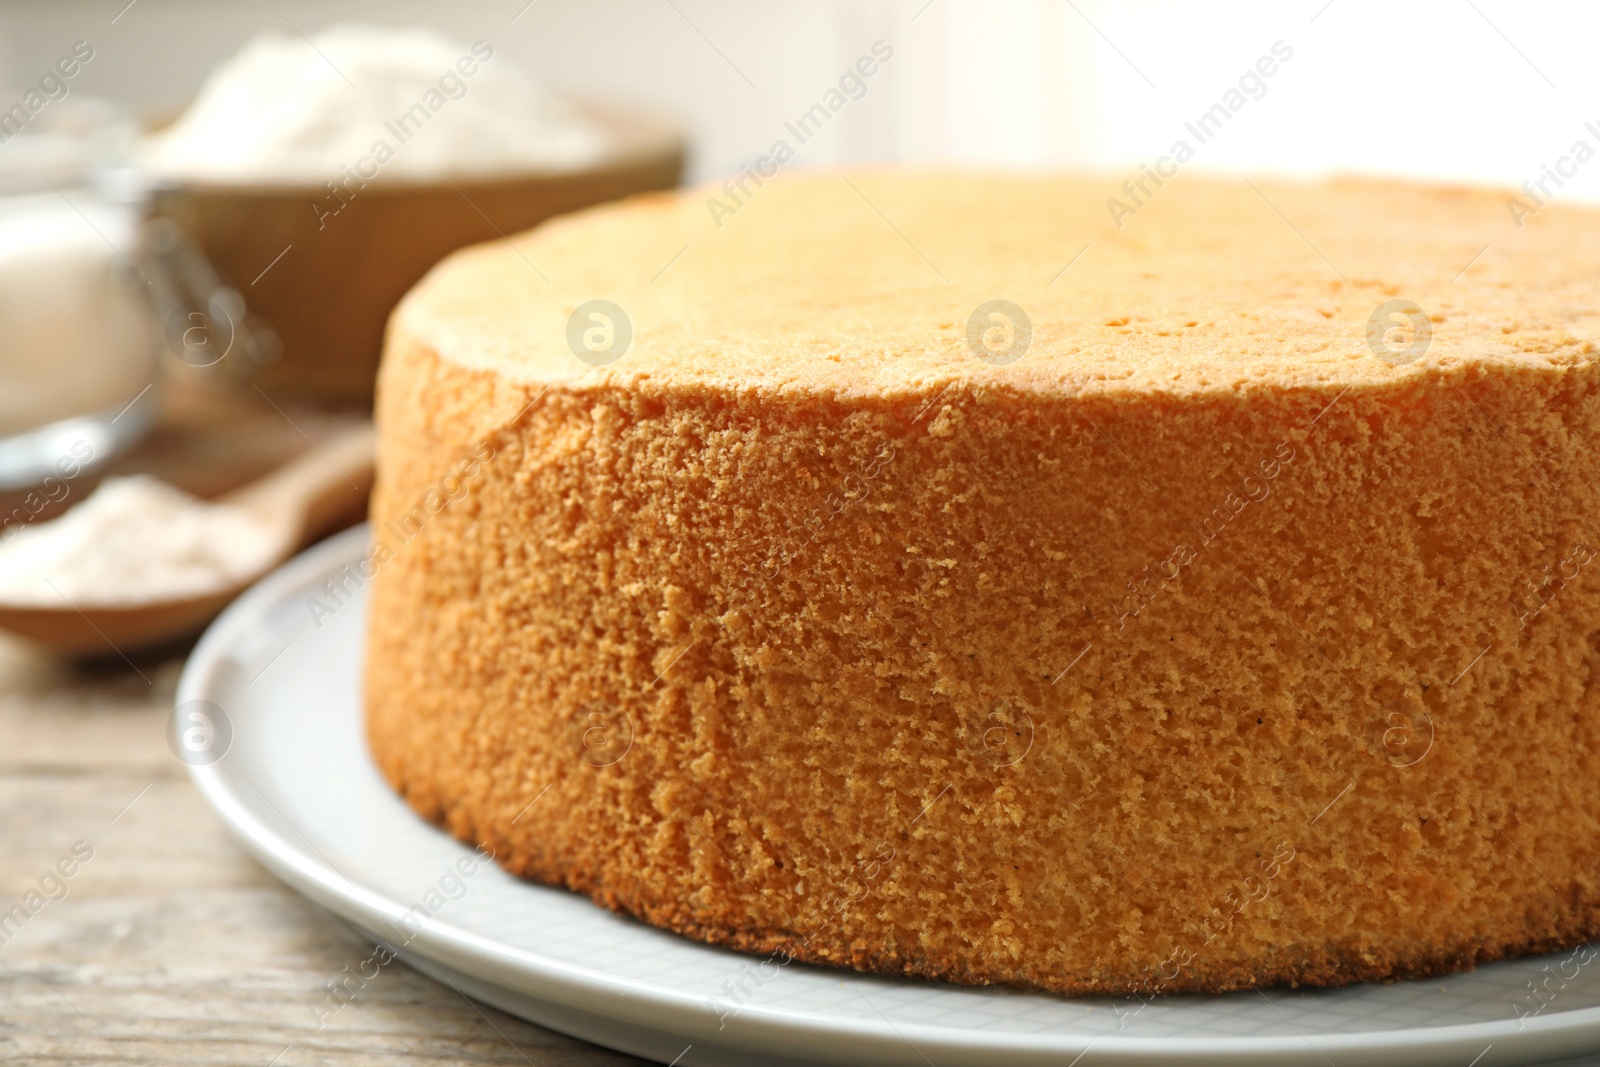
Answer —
(296, 785)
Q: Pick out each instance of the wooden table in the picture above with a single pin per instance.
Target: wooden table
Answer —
(170, 945)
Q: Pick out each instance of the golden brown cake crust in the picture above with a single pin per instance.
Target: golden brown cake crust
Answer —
(1197, 649)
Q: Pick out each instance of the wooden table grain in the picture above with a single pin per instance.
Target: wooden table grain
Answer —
(169, 944)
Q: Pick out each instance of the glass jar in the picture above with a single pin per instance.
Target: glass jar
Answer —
(80, 340)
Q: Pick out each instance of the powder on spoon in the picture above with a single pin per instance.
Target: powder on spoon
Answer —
(135, 540)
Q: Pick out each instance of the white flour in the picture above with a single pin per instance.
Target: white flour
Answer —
(76, 339)
(290, 110)
(134, 540)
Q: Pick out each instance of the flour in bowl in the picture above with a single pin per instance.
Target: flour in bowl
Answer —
(375, 102)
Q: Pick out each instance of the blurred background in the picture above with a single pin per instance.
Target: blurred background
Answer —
(1464, 90)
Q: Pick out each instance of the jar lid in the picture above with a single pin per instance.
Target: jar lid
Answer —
(66, 142)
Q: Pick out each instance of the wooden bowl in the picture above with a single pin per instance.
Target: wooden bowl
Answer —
(339, 275)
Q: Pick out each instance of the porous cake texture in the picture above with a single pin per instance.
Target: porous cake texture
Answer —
(940, 580)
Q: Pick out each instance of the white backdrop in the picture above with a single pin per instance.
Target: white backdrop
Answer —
(1460, 90)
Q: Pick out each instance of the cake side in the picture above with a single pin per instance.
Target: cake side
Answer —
(1094, 693)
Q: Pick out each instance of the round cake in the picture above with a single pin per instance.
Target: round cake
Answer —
(959, 576)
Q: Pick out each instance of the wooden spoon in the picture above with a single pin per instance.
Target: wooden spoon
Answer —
(297, 501)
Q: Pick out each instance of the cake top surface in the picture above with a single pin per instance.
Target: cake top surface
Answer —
(882, 283)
